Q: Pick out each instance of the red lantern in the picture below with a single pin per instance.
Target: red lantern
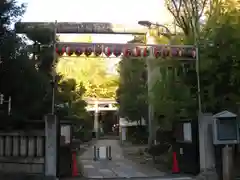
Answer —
(146, 52)
(107, 51)
(69, 51)
(78, 52)
(98, 51)
(137, 52)
(88, 51)
(117, 52)
(157, 52)
(127, 52)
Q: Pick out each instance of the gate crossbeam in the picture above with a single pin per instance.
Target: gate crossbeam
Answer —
(83, 28)
(128, 45)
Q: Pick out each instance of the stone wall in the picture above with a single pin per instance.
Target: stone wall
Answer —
(22, 152)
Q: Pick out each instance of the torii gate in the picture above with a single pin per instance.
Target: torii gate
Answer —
(97, 105)
(101, 104)
(110, 50)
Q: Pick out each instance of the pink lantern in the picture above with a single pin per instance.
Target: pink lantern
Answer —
(69, 51)
(194, 53)
(146, 52)
(157, 52)
(137, 52)
(107, 51)
(127, 52)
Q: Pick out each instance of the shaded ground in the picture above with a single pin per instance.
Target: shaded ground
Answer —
(137, 154)
(118, 167)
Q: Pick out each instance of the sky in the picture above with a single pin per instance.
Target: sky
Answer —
(124, 11)
(120, 12)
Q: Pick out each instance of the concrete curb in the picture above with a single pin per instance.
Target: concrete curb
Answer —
(22, 176)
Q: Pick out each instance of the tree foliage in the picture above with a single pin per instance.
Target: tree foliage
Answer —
(187, 14)
(26, 71)
(175, 95)
(220, 61)
(92, 73)
(214, 26)
(132, 91)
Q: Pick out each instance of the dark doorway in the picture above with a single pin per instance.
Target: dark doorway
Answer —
(108, 119)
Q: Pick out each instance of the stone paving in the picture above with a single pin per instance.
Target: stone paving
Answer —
(117, 167)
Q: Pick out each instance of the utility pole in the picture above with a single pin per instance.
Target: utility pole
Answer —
(53, 68)
(196, 38)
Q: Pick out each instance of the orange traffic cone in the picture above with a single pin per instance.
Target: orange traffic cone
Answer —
(175, 167)
(74, 164)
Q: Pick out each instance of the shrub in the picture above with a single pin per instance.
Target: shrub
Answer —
(159, 149)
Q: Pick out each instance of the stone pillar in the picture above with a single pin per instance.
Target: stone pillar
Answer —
(227, 159)
(206, 148)
(96, 120)
(151, 76)
(51, 145)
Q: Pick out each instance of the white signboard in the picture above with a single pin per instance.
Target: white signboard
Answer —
(124, 134)
(187, 132)
(103, 152)
(66, 132)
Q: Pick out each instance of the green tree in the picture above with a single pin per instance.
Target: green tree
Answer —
(132, 94)
(19, 77)
(69, 99)
(132, 91)
(220, 56)
(218, 67)
(92, 72)
(26, 71)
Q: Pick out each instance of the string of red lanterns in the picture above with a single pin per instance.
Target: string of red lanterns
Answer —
(163, 52)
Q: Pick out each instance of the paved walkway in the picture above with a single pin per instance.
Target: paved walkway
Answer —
(118, 167)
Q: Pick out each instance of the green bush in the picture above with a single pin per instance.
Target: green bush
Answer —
(137, 134)
(159, 149)
(83, 135)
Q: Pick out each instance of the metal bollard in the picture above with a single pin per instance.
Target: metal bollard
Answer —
(94, 153)
(109, 150)
(98, 153)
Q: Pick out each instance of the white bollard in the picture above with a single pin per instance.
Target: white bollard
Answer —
(103, 152)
